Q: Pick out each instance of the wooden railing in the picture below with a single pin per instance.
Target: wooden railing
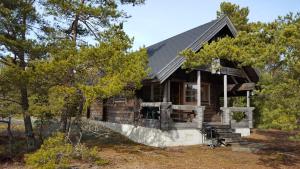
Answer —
(166, 109)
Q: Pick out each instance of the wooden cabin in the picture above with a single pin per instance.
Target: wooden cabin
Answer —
(174, 98)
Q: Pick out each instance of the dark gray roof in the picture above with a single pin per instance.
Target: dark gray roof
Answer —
(163, 56)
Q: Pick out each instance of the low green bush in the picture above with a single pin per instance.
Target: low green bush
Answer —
(238, 116)
(56, 153)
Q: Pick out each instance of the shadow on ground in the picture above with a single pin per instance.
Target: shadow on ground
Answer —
(278, 150)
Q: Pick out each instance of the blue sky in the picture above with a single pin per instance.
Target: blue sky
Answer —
(157, 20)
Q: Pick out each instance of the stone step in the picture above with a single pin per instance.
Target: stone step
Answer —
(229, 135)
(226, 133)
(218, 126)
(224, 130)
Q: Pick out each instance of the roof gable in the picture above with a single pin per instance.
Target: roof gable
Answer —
(164, 56)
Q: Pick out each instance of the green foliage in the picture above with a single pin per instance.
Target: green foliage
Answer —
(54, 153)
(295, 137)
(239, 101)
(279, 102)
(75, 74)
(79, 19)
(57, 153)
(273, 48)
(238, 15)
(238, 116)
(100, 71)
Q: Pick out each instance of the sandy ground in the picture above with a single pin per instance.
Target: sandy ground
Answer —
(277, 152)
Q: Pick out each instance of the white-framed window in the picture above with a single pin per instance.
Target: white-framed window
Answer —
(190, 93)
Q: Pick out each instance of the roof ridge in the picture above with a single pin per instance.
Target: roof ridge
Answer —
(215, 20)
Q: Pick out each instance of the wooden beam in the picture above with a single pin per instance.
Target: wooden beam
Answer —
(184, 107)
(241, 87)
(233, 72)
(151, 104)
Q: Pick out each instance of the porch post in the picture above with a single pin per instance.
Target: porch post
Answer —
(248, 98)
(169, 90)
(198, 88)
(199, 109)
(225, 91)
(165, 96)
(226, 111)
(165, 108)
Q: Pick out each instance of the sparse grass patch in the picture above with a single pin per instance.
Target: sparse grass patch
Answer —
(295, 137)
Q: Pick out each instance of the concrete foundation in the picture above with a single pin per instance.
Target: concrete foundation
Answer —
(243, 131)
(155, 137)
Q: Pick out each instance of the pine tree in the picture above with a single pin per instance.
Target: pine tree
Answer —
(271, 47)
(18, 19)
(88, 71)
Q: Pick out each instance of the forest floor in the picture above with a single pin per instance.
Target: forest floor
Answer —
(277, 152)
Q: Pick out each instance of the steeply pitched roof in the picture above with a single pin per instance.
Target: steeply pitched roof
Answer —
(164, 56)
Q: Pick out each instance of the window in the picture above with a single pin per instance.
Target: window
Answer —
(190, 92)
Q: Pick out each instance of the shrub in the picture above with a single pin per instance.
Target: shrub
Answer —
(54, 153)
(57, 153)
(238, 116)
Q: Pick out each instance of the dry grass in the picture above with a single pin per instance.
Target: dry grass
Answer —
(121, 153)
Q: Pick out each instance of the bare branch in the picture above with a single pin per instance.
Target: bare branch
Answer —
(89, 27)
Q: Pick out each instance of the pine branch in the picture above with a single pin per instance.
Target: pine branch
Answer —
(10, 100)
(89, 27)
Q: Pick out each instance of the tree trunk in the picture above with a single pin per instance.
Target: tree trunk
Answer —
(27, 119)
(10, 137)
(31, 144)
(63, 122)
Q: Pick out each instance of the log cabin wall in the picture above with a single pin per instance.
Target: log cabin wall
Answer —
(125, 111)
(96, 110)
(120, 112)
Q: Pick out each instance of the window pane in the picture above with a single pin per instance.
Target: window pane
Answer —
(190, 92)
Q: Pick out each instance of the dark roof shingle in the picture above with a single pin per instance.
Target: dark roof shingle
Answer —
(162, 53)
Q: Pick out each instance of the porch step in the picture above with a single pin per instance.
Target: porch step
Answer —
(225, 132)
(217, 126)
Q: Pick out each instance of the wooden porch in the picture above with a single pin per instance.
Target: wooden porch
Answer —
(180, 110)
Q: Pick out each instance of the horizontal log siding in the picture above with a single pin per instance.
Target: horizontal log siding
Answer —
(120, 112)
(96, 110)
